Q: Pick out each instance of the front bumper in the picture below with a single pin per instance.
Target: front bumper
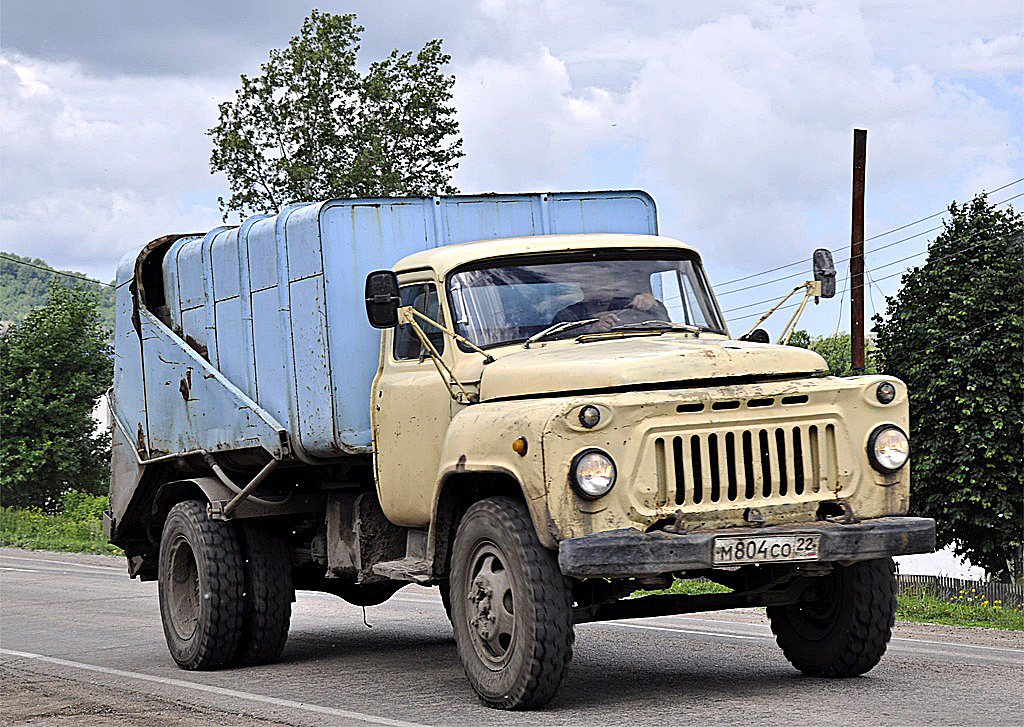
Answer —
(627, 553)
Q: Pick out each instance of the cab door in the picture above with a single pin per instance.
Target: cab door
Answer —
(412, 408)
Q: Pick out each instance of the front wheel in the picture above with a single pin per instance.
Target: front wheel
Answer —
(843, 630)
(511, 607)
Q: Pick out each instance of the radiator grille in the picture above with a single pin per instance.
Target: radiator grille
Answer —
(746, 465)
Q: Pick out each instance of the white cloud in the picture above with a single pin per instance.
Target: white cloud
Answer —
(740, 124)
(94, 166)
(523, 124)
(737, 116)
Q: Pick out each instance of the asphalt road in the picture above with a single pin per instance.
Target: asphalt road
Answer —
(82, 644)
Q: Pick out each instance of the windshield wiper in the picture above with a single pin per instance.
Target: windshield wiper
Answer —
(654, 325)
(558, 328)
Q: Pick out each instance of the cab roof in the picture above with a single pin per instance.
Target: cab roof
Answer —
(446, 258)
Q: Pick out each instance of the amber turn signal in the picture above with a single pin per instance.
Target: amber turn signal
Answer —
(519, 446)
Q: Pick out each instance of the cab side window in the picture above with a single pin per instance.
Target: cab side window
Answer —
(423, 298)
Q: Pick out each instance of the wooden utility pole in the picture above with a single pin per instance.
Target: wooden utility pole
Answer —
(860, 153)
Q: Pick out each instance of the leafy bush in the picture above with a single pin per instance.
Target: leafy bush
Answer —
(76, 528)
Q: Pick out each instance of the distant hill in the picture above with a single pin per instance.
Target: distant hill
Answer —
(23, 287)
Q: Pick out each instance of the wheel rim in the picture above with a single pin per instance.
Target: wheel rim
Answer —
(490, 610)
(183, 589)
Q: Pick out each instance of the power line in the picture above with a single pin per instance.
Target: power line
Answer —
(867, 252)
(845, 288)
(874, 237)
(836, 262)
(55, 272)
(890, 264)
(842, 299)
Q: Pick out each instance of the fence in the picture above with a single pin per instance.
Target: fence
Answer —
(1011, 595)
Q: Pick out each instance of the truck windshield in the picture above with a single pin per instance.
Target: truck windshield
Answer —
(508, 302)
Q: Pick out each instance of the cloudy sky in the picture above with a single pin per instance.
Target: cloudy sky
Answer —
(736, 116)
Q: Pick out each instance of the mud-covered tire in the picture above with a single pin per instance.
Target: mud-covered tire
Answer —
(844, 632)
(201, 582)
(268, 595)
(511, 607)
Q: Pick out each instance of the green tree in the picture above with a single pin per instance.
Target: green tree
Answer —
(835, 350)
(953, 333)
(55, 364)
(311, 126)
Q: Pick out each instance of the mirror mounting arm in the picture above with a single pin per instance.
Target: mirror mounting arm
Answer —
(407, 316)
(812, 289)
(488, 358)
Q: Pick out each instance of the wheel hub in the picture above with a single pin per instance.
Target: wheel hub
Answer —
(490, 609)
(184, 590)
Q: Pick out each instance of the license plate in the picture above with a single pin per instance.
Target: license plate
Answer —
(765, 549)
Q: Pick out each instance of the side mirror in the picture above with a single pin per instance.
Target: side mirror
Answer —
(824, 272)
(382, 299)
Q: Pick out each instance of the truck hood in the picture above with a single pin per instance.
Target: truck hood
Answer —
(638, 361)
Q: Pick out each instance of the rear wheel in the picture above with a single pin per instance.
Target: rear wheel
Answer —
(510, 605)
(268, 595)
(201, 583)
(844, 630)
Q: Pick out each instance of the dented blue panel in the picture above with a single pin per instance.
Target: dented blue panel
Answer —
(312, 382)
(230, 345)
(270, 363)
(592, 213)
(128, 400)
(198, 408)
(191, 275)
(276, 305)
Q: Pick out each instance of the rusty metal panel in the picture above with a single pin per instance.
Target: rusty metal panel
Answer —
(197, 407)
(128, 398)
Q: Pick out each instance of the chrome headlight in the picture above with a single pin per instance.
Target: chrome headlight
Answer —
(888, 448)
(592, 474)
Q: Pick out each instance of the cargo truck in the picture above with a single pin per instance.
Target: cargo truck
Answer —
(551, 418)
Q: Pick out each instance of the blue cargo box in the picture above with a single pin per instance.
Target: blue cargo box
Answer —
(303, 350)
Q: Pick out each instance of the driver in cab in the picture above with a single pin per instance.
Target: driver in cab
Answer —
(614, 311)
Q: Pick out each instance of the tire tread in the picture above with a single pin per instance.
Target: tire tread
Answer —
(222, 614)
(858, 649)
(268, 596)
(547, 664)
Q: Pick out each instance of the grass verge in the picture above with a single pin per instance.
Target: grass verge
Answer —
(77, 527)
(964, 609)
(914, 604)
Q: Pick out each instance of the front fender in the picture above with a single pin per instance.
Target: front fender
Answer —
(479, 440)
